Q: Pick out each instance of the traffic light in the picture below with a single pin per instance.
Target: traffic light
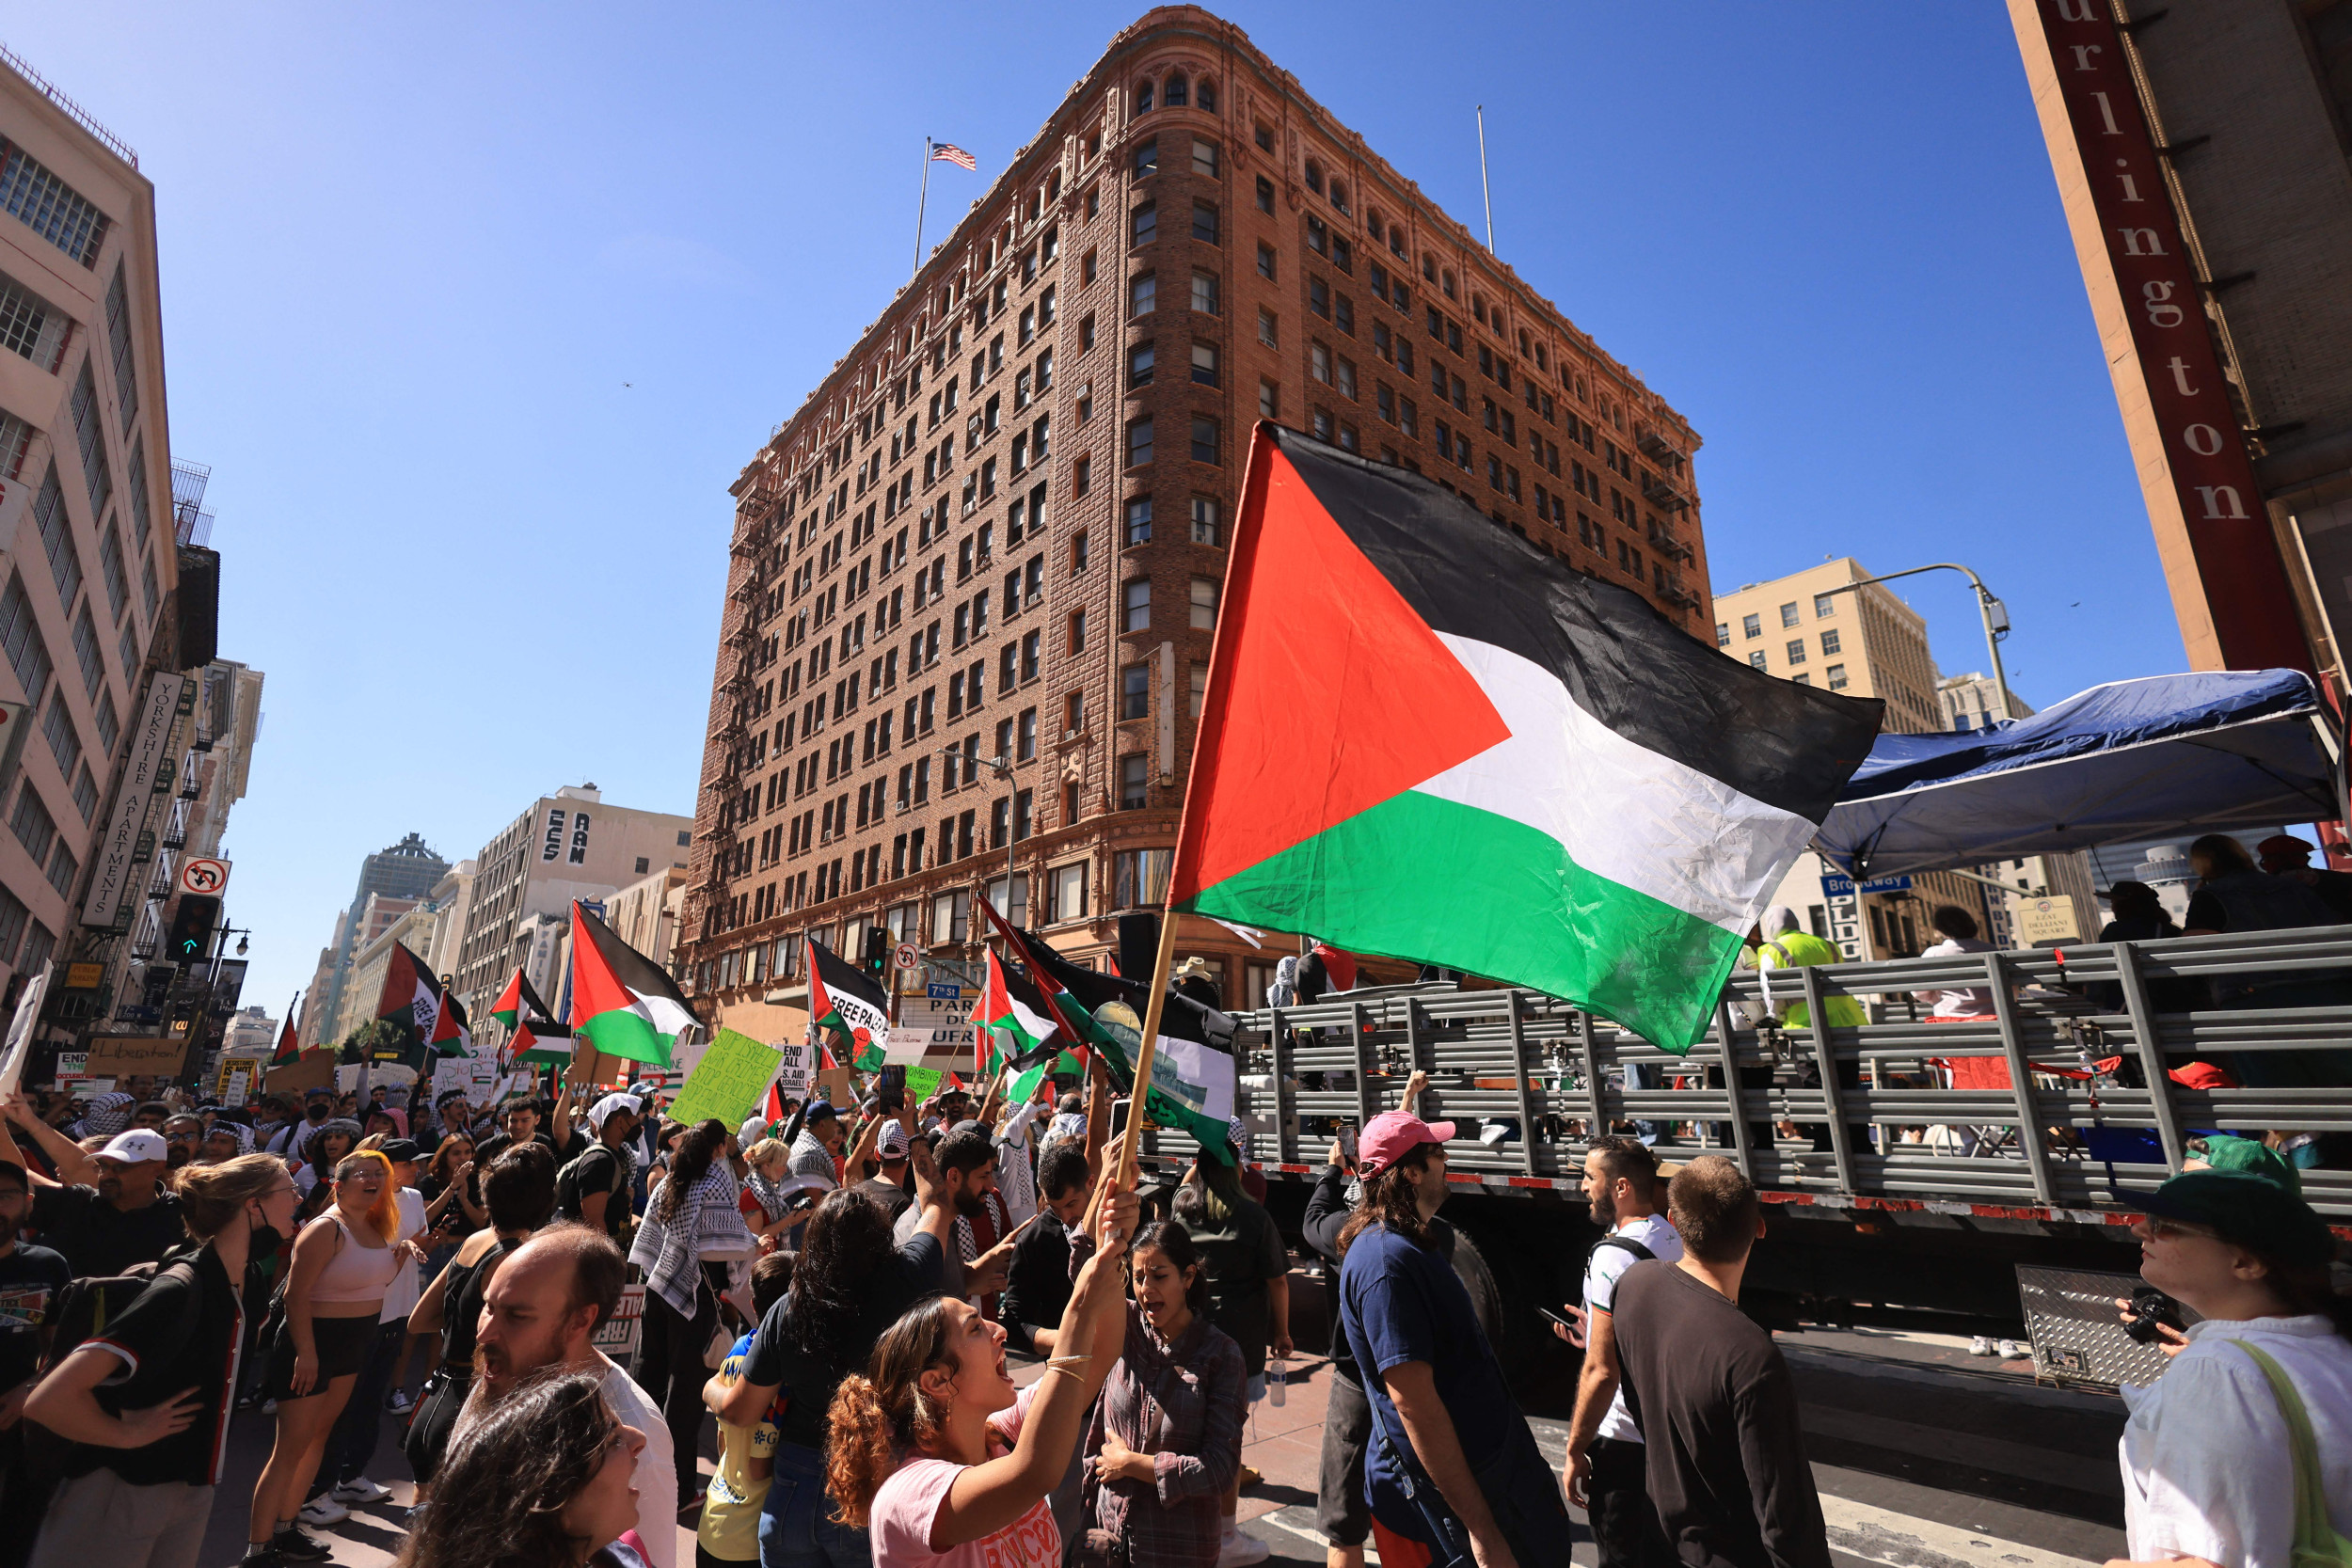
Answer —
(192, 927)
(877, 952)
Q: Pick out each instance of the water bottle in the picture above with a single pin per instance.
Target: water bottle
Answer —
(1277, 1377)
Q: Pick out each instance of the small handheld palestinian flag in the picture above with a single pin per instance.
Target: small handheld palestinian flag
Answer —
(540, 1042)
(1434, 741)
(622, 1002)
(411, 995)
(451, 1037)
(1011, 1008)
(289, 1039)
(849, 1004)
(519, 1001)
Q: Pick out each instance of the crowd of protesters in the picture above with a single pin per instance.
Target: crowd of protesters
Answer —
(840, 1298)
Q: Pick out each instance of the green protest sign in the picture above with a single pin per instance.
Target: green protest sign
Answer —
(728, 1082)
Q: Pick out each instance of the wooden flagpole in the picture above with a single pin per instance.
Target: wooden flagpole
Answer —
(1152, 1008)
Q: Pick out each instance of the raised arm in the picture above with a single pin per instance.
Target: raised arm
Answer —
(988, 1496)
(74, 1168)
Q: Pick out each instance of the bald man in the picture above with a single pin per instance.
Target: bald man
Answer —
(542, 1309)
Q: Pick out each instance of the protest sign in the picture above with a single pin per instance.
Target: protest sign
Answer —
(133, 1056)
(313, 1069)
(730, 1081)
(796, 1064)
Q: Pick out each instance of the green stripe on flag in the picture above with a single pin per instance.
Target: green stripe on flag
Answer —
(1506, 900)
(627, 1033)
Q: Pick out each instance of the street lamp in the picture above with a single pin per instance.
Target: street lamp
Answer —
(1995, 616)
(1002, 767)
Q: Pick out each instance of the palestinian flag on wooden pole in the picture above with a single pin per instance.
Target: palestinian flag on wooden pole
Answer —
(849, 1004)
(1434, 742)
(622, 1002)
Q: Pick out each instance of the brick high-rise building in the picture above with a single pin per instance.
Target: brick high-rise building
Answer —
(998, 528)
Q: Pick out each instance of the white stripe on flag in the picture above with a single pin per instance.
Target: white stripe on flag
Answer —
(1642, 820)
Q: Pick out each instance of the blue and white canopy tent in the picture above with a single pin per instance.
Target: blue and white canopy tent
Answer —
(2216, 752)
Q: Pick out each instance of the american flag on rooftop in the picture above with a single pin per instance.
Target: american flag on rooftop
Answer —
(954, 154)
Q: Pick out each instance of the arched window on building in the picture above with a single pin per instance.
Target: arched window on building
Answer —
(1143, 99)
(1176, 92)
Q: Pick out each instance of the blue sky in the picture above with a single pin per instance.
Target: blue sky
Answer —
(476, 311)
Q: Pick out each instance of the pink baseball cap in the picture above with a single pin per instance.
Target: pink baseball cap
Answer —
(1393, 1134)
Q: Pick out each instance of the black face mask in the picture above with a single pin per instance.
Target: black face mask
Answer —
(264, 1243)
(316, 1113)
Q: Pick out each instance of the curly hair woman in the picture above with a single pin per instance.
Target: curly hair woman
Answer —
(939, 1458)
(541, 1480)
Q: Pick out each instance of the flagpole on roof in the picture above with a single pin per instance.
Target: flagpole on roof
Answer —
(919, 202)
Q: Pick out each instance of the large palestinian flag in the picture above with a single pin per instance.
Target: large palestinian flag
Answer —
(1433, 741)
(848, 1003)
(622, 1002)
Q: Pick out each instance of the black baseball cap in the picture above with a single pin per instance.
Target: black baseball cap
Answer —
(397, 1150)
(819, 1110)
(2252, 1211)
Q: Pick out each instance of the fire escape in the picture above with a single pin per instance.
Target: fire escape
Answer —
(731, 738)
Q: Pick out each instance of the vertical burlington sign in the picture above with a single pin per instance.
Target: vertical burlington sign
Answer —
(114, 881)
(2237, 609)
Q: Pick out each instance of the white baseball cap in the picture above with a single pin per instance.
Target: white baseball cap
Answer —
(136, 1147)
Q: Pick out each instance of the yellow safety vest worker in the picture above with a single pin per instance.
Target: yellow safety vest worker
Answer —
(1795, 949)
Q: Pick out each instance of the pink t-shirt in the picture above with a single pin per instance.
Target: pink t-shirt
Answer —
(899, 1523)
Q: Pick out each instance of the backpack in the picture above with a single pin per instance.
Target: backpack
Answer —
(85, 1307)
(567, 1192)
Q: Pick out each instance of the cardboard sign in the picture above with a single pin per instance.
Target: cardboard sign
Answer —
(313, 1070)
(130, 1056)
(730, 1082)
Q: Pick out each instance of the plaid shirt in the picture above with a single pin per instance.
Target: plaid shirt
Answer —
(1183, 1404)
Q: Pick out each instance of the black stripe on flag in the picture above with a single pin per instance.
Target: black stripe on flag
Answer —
(1787, 745)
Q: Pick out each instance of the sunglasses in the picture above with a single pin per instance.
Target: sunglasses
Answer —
(2164, 1230)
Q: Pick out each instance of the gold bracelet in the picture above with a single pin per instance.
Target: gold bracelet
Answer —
(1067, 1363)
(1072, 1371)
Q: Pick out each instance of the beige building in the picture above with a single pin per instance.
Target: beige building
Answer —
(1865, 642)
(568, 845)
(645, 914)
(432, 927)
(88, 611)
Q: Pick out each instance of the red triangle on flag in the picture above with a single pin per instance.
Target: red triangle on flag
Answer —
(1319, 705)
